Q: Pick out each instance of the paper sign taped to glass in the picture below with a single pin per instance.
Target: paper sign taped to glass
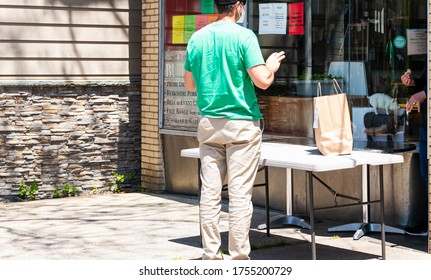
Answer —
(332, 125)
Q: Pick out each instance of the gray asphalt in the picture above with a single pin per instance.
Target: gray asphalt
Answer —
(136, 226)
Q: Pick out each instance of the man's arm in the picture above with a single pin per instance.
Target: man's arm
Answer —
(189, 81)
(263, 75)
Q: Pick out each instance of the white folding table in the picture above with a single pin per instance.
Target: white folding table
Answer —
(309, 159)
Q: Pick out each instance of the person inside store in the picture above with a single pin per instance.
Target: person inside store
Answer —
(419, 100)
(223, 64)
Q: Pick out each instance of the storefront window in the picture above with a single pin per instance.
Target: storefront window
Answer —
(183, 18)
(367, 45)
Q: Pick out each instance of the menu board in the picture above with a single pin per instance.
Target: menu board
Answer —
(180, 108)
(272, 18)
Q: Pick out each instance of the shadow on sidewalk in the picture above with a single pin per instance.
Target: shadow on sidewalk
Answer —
(283, 248)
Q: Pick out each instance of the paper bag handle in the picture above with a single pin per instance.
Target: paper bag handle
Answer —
(337, 86)
(319, 89)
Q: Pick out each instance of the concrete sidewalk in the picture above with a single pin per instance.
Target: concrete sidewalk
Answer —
(134, 226)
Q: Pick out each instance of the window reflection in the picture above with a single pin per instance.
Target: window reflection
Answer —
(367, 45)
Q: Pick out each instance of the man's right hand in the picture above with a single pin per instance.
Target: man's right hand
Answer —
(274, 60)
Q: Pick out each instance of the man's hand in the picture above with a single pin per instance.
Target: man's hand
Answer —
(263, 75)
(274, 60)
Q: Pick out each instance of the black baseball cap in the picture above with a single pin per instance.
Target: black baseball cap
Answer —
(227, 2)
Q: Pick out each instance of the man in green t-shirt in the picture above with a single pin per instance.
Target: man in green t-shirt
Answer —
(223, 64)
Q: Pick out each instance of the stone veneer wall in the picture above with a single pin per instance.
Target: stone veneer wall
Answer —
(73, 135)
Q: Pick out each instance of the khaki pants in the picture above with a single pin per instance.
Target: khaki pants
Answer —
(229, 150)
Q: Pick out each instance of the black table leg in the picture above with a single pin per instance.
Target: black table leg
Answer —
(311, 209)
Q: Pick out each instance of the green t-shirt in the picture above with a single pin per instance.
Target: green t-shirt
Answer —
(218, 56)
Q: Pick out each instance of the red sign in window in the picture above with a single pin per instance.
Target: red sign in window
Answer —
(296, 18)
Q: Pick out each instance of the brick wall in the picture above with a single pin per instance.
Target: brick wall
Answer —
(152, 159)
(73, 135)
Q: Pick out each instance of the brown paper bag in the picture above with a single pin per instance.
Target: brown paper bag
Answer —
(332, 124)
